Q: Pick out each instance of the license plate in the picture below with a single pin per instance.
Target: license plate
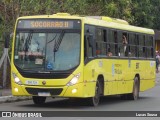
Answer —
(31, 82)
(44, 94)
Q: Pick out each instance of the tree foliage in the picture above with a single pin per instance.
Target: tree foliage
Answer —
(144, 13)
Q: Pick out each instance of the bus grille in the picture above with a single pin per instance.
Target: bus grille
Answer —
(52, 91)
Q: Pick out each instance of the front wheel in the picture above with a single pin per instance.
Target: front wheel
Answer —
(94, 101)
(38, 100)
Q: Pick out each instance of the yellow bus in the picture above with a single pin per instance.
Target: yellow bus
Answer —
(63, 55)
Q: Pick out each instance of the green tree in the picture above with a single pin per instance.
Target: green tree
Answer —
(155, 13)
(118, 9)
(142, 11)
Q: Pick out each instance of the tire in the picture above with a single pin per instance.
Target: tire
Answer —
(124, 97)
(38, 100)
(135, 94)
(94, 101)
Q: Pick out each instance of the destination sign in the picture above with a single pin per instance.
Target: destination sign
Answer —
(48, 24)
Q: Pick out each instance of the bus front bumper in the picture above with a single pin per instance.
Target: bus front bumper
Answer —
(62, 91)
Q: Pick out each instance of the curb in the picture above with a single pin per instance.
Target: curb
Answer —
(4, 99)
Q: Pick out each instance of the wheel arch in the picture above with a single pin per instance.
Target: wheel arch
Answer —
(138, 76)
(100, 78)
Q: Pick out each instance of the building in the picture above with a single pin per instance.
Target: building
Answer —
(157, 39)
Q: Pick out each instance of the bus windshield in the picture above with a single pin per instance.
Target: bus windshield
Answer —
(41, 50)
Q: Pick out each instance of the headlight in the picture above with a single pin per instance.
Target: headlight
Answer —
(74, 80)
(16, 79)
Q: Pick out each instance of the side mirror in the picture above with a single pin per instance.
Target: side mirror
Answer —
(7, 40)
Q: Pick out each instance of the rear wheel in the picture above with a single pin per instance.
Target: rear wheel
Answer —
(38, 100)
(135, 94)
(94, 101)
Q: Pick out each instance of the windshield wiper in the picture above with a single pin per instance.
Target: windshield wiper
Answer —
(58, 42)
(52, 39)
(27, 42)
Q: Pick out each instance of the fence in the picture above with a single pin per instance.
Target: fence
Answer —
(4, 67)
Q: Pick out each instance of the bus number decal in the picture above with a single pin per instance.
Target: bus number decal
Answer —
(118, 71)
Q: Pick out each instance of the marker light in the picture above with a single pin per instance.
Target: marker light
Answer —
(16, 79)
(74, 80)
(74, 91)
(16, 89)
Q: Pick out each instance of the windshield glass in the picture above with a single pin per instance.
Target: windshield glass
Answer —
(47, 51)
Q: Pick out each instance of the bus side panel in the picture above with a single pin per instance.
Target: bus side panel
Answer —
(147, 84)
(118, 75)
(90, 70)
(110, 76)
(104, 67)
(148, 76)
(126, 76)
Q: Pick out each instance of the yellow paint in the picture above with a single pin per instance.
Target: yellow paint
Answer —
(117, 82)
(118, 74)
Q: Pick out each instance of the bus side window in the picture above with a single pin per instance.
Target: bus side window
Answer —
(85, 48)
(98, 51)
(116, 43)
(109, 53)
(101, 39)
(125, 44)
(88, 41)
(124, 47)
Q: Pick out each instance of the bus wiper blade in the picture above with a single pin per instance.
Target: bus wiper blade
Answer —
(52, 39)
(27, 42)
(58, 42)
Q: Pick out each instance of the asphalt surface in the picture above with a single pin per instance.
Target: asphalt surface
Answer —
(148, 101)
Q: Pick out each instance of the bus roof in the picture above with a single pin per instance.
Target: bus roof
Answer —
(102, 21)
(117, 25)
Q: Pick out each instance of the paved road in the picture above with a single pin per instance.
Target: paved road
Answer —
(148, 101)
